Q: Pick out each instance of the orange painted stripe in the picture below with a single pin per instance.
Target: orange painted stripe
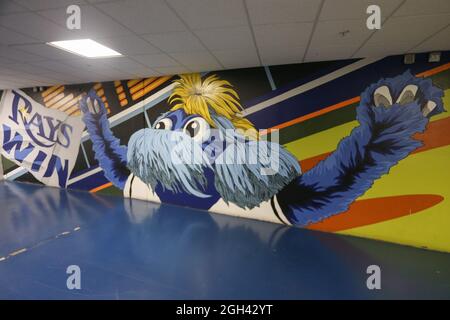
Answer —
(63, 101)
(370, 211)
(344, 103)
(103, 186)
(49, 90)
(97, 86)
(434, 70)
(122, 96)
(141, 85)
(72, 109)
(100, 92)
(48, 98)
(55, 99)
(131, 83)
(312, 115)
(119, 89)
(150, 87)
(70, 104)
(123, 103)
(436, 135)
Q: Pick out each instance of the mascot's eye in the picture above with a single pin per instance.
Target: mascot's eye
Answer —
(197, 129)
(164, 124)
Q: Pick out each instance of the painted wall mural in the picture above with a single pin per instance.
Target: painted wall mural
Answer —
(357, 147)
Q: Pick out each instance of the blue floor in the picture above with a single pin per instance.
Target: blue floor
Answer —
(138, 250)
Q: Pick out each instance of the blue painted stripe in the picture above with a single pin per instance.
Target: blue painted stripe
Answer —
(341, 89)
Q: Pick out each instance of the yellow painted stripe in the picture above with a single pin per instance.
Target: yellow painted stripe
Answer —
(131, 83)
(101, 92)
(119, 89)
(62, 101)
(55, 99)
(49, 90)
(54, 93)
(421, 173)
(70, 104)
(327, 140)
(150, 87)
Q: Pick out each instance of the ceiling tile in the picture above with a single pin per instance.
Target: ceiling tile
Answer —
(143, 16)
(156, 60)
(47, 4)
(283, 35)
(58, 66)
(202, 14)
(197, 61)
(226, 38)
(8, 7)
(233, 59)
(380, 50)
(439, 41)
(330, 52)
(146, 72)
(45, 51)
(81, 64)
(32, 68)
(129, 45)
(274, 56)
(172, 70)
(282, 11)
(8, 37)
(18, 55)
(412, 29)
(6, 70)
(183, 41)
(340, 32)
(94, 23)
(355, 9)
(33, 25)
(124, 64)
(421, 7)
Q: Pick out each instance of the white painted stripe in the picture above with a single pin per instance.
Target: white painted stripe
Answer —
(310, 85)
(270, 78)
(280, 212)
(83, 176)
(15, 173)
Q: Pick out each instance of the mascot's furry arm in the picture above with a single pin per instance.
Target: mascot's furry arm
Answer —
(111, 156)
(390, 113)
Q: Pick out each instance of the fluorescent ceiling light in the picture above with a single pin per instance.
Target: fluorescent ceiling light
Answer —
(86, 48)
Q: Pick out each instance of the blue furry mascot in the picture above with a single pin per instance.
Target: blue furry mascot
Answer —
(204, 154)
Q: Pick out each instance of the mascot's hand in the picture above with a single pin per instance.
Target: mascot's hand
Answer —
(405, 100)
(92, 105)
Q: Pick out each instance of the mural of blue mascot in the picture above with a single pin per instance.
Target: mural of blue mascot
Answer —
(184, 158)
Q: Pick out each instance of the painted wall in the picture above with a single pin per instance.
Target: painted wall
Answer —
(364, 144)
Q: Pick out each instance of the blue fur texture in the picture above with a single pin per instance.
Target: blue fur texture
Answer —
(169, 158)
(111, 156)
(250, 172)
(383, 138)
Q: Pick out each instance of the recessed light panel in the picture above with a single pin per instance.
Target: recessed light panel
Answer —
(86, 48)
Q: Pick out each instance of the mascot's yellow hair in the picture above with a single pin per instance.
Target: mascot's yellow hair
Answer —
(197, 96)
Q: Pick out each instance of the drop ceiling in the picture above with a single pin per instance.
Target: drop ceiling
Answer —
(160, 37)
